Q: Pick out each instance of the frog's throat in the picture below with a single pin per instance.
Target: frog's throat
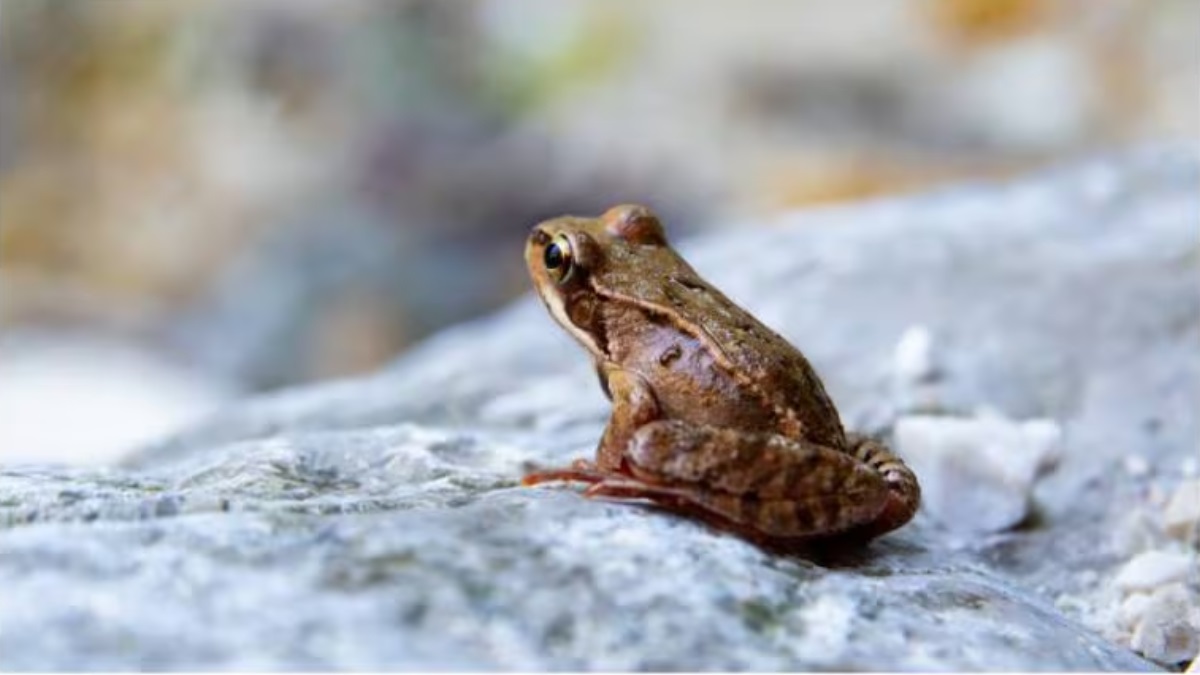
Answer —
(785, 412)
(554, 303)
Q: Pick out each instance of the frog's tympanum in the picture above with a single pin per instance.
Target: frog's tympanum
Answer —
(714, 415)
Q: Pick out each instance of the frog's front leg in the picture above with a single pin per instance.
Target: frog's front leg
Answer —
(634, 406)
(761, 484)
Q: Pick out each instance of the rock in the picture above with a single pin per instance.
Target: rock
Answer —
(915, 373)
(376, 523)
(977, 474)
(1001, 86)
(1136, 466)
(1182, 517)
(1190, 467)
(1150, 607)
(1152, 569)
(913, 359)
(1168, 629)
(107, 398)
(1137, 531)
(1132, 610)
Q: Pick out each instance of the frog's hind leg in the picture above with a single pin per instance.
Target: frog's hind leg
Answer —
(904, 493)
(622, 488)
(781, 488)
(701, 507)
(677, 500)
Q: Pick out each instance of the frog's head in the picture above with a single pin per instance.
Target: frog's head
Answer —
(579, 264)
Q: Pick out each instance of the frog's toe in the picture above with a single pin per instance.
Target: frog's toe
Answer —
(621, 488)
(574, 473)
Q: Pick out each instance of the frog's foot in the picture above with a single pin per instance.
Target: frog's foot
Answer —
(621, 489)
(778, 487)
(683, 502)
(580, 471)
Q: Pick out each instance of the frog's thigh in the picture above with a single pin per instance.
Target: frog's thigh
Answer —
(773, 484)
(634, 406)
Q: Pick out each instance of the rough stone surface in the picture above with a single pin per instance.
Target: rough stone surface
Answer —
(376, 523)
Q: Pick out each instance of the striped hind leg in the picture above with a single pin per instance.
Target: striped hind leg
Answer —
(775, 487)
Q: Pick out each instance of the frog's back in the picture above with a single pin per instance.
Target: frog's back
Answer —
(776, 372)
(765, 369)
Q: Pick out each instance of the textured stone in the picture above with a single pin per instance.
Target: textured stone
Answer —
(376, 523)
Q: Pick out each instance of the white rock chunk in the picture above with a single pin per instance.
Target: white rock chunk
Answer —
(1137, 466)
(1132, 610)
(1169, 630)
(915, 372)
(1190, 467)
(977, 473)
(912, 359)
(1182, 518)
(1153, 569)
(1138, 530)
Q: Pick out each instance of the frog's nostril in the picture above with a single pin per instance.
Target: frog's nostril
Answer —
(540, 237)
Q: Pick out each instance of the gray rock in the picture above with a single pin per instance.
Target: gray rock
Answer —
(377, 523)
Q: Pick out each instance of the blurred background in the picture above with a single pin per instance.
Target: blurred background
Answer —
(202, 199)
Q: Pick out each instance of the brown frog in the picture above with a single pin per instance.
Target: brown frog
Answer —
(714, 415)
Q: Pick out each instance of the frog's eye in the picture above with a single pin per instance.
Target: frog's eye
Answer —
(558, 259)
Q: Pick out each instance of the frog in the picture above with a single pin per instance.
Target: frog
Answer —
(715, 416)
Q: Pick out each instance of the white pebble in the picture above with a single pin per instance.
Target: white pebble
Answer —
(1138, 530)
(1182, 516)
(1132, 610)
(1190, 467)
(1152, 569)
(1169, 629)
(1137, 466)
(1156, 497)
(912, 359)
(977, 473)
